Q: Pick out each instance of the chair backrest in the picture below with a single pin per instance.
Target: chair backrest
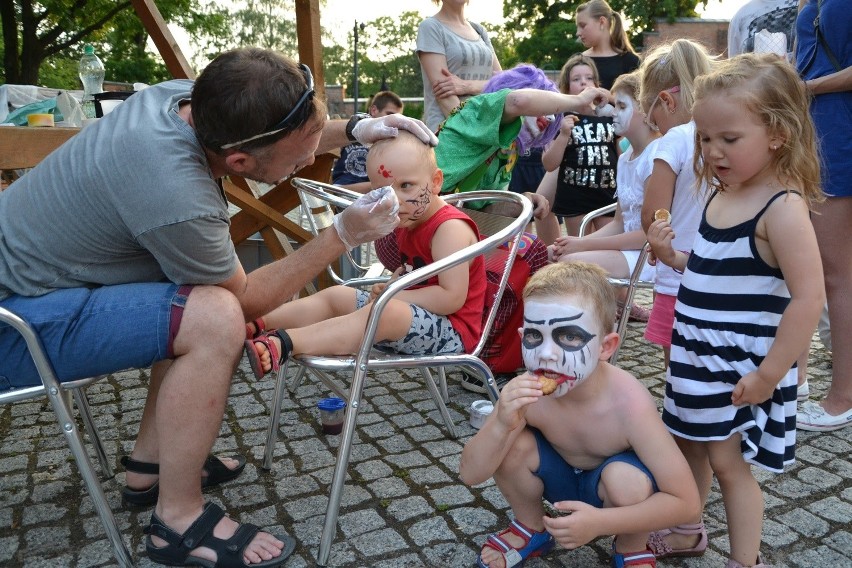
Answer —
(318, 209)
(497, 230)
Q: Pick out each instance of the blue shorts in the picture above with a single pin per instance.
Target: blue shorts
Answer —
(93, 331)
(562, 482)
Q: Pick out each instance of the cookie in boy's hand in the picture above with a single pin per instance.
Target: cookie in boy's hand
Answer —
(552, 511)
(663, 215)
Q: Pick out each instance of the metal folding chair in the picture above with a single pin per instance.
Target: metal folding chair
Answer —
(369, 359)
(59, 395)
(630, 284)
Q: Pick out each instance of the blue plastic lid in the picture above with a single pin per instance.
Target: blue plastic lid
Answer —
(331, 404)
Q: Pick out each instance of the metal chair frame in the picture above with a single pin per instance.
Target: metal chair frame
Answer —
(631, 284)
(59, 395)
(368, 359)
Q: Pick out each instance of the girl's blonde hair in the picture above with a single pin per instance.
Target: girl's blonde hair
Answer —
(574, 61)
(772, 91)
(617, 34)
(675, 64)
(628, 83)
(584, 279)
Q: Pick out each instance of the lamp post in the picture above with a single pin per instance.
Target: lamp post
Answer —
(355, 69)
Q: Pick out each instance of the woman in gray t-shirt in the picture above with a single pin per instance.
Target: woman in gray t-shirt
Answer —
(456, 59)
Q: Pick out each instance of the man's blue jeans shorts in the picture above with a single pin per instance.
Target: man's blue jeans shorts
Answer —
(93, 331)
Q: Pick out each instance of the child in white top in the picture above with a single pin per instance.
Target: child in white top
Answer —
(751, 295)
(668, 73)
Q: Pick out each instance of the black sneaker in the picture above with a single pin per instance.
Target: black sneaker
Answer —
(473, 383)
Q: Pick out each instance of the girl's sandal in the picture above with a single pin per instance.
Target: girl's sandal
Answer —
(277, 358)
(657, 541)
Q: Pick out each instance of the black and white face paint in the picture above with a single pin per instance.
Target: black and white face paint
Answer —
(624, 108)
(557, 342)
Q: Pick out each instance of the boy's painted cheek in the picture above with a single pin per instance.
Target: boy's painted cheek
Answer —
(420, 203)
(384, 172)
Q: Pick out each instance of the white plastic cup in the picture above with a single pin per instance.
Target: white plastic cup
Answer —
(479, 411)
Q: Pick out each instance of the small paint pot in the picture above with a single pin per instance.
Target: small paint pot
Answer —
(479, 411)
(331, 412)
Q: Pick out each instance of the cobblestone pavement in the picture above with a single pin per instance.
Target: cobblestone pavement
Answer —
(403, 504)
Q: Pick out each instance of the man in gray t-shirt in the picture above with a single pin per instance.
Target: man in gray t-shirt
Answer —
(116, 248)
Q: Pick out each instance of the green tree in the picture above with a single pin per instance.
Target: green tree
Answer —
(42, 40)
(265, 24)
(545, 34)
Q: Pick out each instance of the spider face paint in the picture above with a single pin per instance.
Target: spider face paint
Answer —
(624, 108)
(420, 202)
(558, 342)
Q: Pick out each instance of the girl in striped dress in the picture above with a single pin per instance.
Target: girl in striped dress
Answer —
(750, 297)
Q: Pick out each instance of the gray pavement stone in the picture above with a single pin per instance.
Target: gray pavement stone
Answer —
(402, 503)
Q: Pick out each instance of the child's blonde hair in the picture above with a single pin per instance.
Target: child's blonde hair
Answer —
(575, 61)
(617, 34)
(584, 279)
(629, 84)
(770, 89)
(405, 142)
(675, 64)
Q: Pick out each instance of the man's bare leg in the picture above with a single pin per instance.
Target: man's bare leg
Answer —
(190, 404)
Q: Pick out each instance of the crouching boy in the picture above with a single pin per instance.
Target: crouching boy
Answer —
(577, 432)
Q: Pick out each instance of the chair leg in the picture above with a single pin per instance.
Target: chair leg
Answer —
(296, 381)
(62, 410)
(275, 415)
(92, 431)
(329, 529)
(439, 402)
(442, 380)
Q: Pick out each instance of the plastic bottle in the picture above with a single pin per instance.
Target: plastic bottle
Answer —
(91, 70)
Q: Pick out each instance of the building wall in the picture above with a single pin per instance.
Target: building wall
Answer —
(713, 34)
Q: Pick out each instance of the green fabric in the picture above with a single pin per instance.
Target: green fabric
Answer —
(475, 150)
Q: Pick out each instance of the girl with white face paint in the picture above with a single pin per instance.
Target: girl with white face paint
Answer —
(616, 246)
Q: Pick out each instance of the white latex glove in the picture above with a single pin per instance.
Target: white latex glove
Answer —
(370, 130)
(371, 216)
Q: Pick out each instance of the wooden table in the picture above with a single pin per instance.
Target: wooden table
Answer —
(24, 147)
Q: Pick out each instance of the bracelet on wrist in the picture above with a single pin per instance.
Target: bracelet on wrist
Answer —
(350, 126)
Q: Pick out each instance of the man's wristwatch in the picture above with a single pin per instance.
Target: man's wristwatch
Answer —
(350, 126)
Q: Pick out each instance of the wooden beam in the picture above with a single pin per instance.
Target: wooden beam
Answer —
(310, 41)
(24, 146)
(166, 44)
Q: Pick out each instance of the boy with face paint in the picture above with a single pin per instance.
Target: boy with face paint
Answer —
(440, 316)
(596, 448)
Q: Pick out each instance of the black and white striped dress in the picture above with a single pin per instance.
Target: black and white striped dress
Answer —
(727, 313)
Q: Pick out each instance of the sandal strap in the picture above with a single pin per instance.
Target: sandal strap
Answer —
(182, 544)
(696, 528)
(135, 466)
(622, 559)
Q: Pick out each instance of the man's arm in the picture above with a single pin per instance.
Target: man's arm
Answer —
(370, 130)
